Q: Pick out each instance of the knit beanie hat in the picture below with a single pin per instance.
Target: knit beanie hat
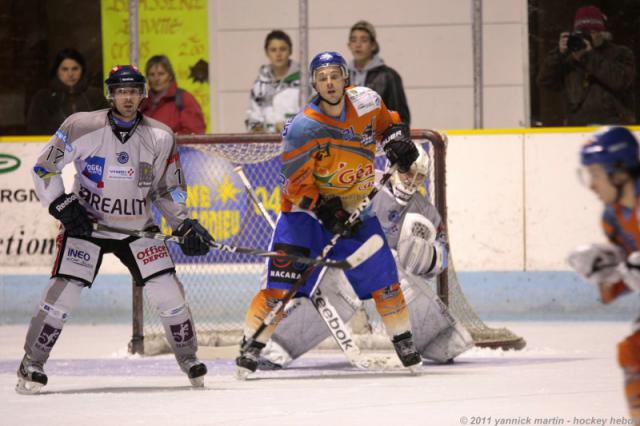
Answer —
(589, 18)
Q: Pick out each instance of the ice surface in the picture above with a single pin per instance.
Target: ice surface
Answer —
(567, 375)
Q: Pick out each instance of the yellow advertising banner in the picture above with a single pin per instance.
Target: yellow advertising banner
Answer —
(175, 28)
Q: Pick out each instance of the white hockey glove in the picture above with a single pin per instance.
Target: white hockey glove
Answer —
(598, 263)
(630, 271)
(418, 252)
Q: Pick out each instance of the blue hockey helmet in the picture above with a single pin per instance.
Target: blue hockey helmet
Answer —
(327, 59)
(614, 148)
(125, 76)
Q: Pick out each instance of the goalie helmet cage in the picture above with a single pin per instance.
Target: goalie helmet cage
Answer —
(219, 293)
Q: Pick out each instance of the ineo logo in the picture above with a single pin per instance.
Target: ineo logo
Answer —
(8, 163)
(79, 254)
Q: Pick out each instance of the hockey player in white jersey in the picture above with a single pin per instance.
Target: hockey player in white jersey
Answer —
(124, 163)
(414, 230)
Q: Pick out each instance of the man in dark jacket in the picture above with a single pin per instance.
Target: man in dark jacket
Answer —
(367, 69)
(595, 75)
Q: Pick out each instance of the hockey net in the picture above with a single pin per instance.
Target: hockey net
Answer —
(220, 286)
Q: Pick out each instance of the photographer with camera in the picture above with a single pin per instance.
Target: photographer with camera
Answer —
(595, 74)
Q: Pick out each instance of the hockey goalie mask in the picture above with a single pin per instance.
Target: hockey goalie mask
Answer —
(404, 185)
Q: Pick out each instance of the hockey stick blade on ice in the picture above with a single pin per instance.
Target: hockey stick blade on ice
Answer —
(350, 262)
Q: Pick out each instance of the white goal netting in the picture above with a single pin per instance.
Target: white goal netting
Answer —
(220, 286)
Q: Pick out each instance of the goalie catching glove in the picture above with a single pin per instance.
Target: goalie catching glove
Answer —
(418, 251)
(398, 147)
(74, 217)
(196, 239)
(334, 217)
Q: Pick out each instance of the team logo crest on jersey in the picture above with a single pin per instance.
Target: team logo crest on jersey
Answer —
(145, 177)
(48, 337)
(182, 332)
(368, 135)
(348, 134)
(94, 170)
(122, 157)
(393, 215)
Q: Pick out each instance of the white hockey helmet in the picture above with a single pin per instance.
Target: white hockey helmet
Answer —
(404, 185)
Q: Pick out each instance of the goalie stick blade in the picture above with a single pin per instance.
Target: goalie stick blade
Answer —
(366, 250)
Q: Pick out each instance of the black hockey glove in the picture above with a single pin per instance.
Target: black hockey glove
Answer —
(334, 217)
(398, 147)
(196, 239)
(74, 217)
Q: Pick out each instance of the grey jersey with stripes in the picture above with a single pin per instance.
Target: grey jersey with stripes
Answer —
(116, 182)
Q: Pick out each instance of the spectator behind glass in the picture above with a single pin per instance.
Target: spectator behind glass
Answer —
(594, 74)
(275, 94)
(368, 69)
(169, 104)
(69, 92)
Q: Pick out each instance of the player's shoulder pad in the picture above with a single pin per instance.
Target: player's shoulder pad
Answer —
(299, 130)
(363, 99)
(80, 124)
(156, 125)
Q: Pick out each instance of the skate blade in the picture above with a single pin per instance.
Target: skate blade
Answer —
(26, 387)
(415, 369)
(242, 373)
(197, 382)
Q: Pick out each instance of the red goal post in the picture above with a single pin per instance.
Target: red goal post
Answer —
(220, 289)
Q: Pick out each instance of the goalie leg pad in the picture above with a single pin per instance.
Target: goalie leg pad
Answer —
(167, 295)
(629, 360)
(59, 299)
(438, 335)
(301, 328)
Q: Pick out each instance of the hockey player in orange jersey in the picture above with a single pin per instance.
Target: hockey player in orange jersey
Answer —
(611, 163)
(327, 170)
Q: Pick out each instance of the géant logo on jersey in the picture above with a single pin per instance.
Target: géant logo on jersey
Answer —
(351, 176)
(114, 206)
(153, 253)
(94, 170)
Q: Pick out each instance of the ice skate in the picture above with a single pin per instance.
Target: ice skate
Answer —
(406, 350)
(31, 377)
(247, 362)
(195, 371)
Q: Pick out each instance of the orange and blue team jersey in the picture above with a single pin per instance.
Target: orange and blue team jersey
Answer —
(334, 156)
(622, 224)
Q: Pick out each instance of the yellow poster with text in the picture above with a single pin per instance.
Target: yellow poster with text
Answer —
(175, 28)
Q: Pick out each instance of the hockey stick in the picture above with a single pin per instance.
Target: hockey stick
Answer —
(279, 306)
(350, 262)
(328, 313)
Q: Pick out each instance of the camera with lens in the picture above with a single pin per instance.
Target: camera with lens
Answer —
(576, 41)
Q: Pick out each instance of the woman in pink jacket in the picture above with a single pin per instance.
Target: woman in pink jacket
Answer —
(169, 104)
